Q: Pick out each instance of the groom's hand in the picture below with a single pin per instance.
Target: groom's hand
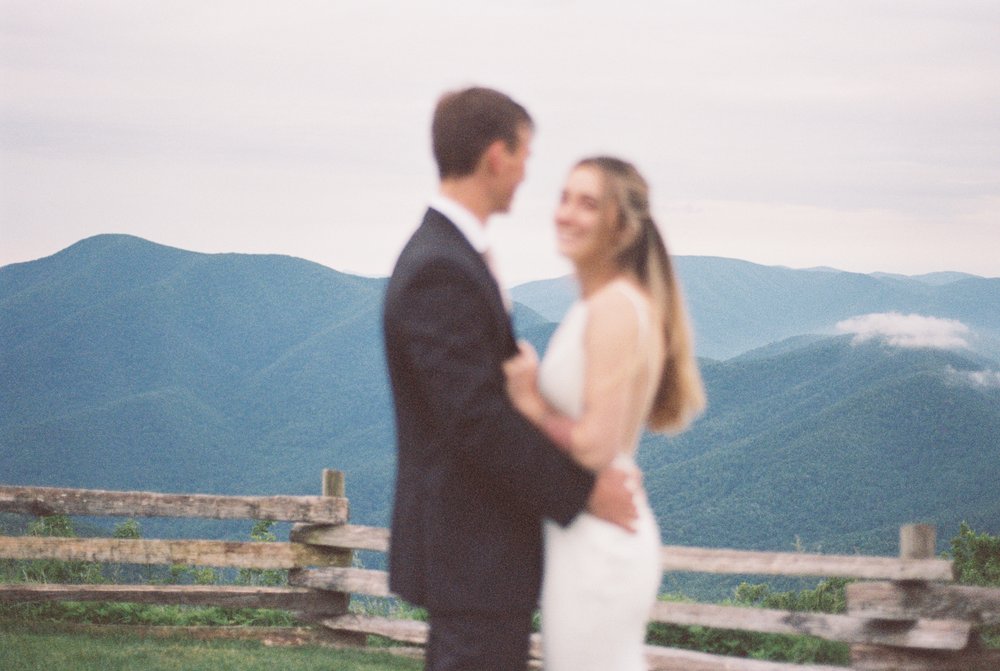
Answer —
(612, 499)
(521, 371)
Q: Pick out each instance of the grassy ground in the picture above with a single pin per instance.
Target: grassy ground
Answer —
(34, 646)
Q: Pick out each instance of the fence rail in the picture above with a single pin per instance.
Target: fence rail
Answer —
(229, 596)
(708, 560)
(911, 618)
(96, 502)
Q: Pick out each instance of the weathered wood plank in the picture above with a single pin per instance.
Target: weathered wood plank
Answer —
(56, 501)
(876, 658)
(683, 558)
(266, 635)
(229, 596)
(980, 605)
(675, 659)
(660, 659)
(710, 560)
(931, 634)
(190, 552)
(403, 631)
(349, 580)
(342, 536)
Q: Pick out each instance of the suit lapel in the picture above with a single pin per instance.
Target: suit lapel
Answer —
(453, 239)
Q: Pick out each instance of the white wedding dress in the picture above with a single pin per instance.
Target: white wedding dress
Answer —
(600, 581)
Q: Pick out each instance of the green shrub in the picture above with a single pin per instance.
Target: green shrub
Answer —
(977, 562)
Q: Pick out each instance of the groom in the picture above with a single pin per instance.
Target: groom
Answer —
(474, 478)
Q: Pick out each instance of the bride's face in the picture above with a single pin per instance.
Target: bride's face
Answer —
(585, 217)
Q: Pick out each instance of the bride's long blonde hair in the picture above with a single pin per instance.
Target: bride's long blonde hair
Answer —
(680, 395)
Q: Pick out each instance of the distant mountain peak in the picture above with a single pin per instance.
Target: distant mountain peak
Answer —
(104, 242)
(933, 279)
(823, 269)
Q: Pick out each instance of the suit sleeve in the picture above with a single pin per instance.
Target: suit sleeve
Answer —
(448, 329)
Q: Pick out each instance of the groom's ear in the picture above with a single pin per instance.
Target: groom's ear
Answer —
(492, 159)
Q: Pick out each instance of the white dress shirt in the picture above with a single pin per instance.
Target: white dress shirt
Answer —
(465, 221)
(475, 232)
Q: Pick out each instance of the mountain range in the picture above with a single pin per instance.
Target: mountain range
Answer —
(737, 306)
(130, 365)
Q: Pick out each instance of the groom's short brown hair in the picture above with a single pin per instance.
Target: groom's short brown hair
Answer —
(466, 122)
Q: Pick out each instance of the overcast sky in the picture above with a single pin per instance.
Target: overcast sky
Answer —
(858, 134)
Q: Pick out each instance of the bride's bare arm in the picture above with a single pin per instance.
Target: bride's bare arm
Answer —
(609, 393)
(612, 353)
(522, 388)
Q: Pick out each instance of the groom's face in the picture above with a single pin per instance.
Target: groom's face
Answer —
(511, 169)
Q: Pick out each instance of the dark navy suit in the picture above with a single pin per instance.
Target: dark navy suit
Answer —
(474, 478)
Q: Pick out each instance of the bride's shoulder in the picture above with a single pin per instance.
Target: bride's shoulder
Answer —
(618, 309)
(621, 295)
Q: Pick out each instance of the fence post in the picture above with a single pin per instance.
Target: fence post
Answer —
(916, 541)
(334, 484)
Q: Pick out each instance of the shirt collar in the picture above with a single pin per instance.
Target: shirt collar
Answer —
(465, 221)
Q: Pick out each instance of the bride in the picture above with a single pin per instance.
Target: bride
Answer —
(620, 361)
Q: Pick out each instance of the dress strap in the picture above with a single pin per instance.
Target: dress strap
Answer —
(642, 308)
(640, 305)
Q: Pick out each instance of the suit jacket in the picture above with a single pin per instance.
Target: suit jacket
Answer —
(474, 479)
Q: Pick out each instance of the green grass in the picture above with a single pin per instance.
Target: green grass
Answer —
(108, 612)
(33, 646)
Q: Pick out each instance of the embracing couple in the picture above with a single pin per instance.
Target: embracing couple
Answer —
(516, 479)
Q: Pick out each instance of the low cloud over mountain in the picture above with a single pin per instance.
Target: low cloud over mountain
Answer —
(910, 330)
(988, 379)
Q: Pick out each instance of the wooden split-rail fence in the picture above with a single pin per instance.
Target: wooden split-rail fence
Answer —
(903, 613)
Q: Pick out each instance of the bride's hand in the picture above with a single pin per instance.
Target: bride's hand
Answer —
(522, 381)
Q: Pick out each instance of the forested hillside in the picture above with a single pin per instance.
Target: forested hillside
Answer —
(831, 446)
(129, 365)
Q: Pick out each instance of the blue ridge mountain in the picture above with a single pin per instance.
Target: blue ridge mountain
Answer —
(130, 365)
